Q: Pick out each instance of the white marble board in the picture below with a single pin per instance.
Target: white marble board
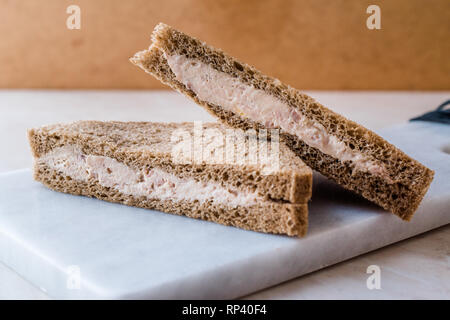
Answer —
(123, 252)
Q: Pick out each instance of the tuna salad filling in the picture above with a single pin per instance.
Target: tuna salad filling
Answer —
(230, 93)
(151, 183)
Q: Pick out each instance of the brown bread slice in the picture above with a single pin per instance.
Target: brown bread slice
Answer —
(395, 181)
(145, 147)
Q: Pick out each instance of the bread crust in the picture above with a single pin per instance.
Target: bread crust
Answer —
(410, 179)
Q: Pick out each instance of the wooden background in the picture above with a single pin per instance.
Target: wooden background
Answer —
(310, 44)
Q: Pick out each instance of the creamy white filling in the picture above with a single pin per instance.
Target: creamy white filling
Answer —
(152, 183)
(233, 95)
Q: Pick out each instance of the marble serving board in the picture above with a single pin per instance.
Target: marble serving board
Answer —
(75, 247)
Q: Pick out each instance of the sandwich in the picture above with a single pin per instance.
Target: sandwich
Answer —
(242, 97)
(203, 171)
